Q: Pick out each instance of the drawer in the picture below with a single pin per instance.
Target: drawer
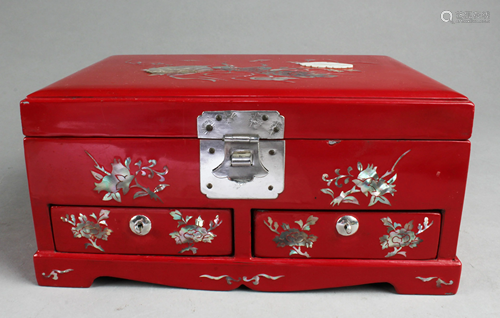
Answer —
(379, 235)
(183, 232)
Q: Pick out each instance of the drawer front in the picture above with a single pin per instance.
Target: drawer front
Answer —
(379, 235)
(184, 232)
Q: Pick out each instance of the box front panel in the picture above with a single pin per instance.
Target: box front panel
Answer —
(374, 176)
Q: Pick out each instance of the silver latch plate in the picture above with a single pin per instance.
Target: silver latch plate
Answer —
(272, 156)
(233, 145)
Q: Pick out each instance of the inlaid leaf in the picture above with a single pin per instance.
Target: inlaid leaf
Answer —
(328, 191)
(108, 196)
(409, 225)
(140, 194)
(349, 170)
(270, 220)
(396, 225)
(384, 200)
(117, 196)
(311, 220)
(391, 180)
(360, 166)
(387, 222)
(97, 176)
(177, 215)
(188, 218)
(127, 162)
(94, 216)
(373, 200)
(300, 223)
(285, 226)
(350, 199)
(293, 252)
(390, 254)
(337, 171)
(160, 187)
(346, 181)
(199, 221)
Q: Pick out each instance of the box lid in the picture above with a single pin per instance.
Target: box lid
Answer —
(329, 96)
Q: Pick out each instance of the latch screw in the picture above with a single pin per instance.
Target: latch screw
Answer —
(218, 117)
(209, 186)
(211, 150)
(265, 117)
(270, 188)
(210, 127)
(275, 129)
(272, 152)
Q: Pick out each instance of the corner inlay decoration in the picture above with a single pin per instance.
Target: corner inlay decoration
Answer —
(439, 281)
(54, 274)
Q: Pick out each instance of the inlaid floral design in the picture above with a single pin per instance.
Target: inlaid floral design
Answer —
(90, 230)
(254, 73)
(121, 178)
(367, 182)
(191, 234)
(400, 237)
(295, 238)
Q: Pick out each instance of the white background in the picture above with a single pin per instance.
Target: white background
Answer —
(43, 41)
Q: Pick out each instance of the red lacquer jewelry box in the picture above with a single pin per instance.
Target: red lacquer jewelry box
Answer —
(279, 173)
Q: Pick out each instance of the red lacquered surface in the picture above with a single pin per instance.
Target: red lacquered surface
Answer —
(380, 114)
(328, 243)
(122, 240)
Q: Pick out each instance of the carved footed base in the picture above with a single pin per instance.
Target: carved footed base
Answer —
(431, 277)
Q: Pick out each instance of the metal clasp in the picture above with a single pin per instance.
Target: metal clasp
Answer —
(241, 159)
(242, 154)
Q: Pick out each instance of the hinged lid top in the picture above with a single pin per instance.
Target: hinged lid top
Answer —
(321, 97)
(248, 76)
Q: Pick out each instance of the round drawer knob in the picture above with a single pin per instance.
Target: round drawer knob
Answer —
(347, 225)
(140, 225)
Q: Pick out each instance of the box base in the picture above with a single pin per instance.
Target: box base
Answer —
(427, 277)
